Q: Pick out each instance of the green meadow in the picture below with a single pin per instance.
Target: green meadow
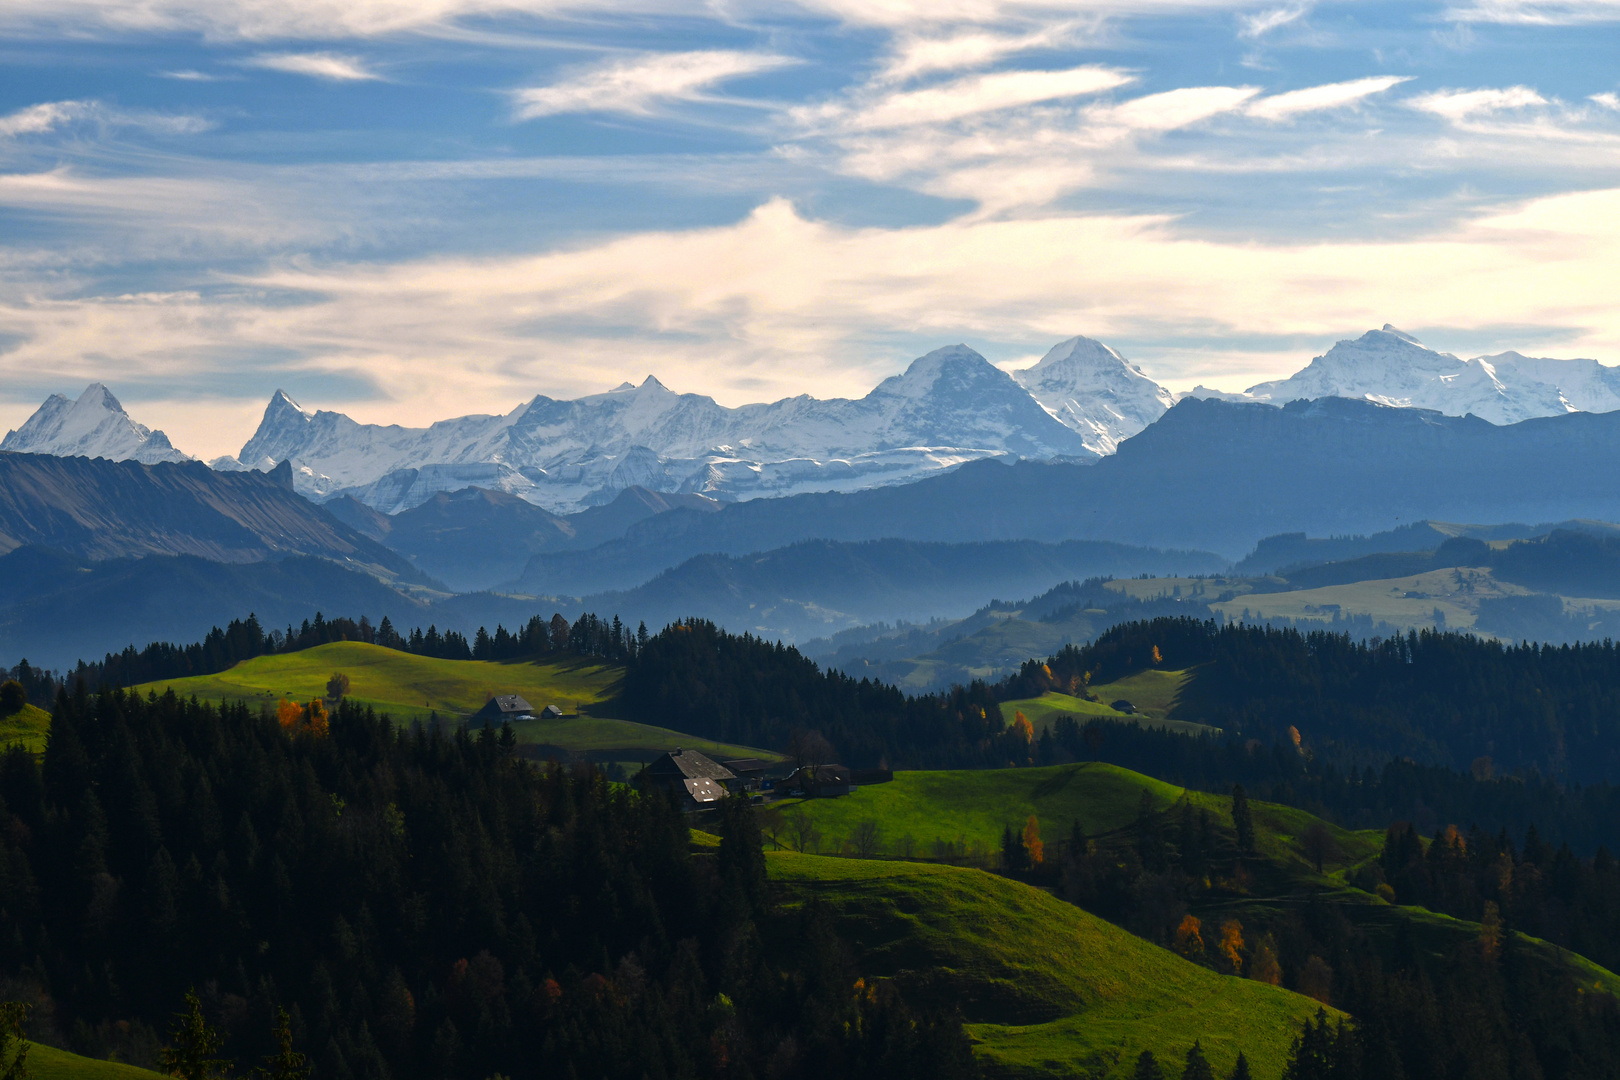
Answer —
(49, 1063)
(1048, 989)
(407, 687)
(970, 808)
(28, 727)
(415, 687)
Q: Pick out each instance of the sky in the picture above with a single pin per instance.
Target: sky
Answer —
(413, 209)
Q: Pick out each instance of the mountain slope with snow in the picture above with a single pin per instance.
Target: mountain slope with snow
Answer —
(1392, 368)
(948, 407)
(94, 426)
(1095, 391)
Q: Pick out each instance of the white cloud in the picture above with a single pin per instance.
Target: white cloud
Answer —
(39, 119)
(339, 67)
(1174, 109)
(1609, 100)
(1537, 12)
(1262, 23)
(638, 85)
(1460, 105)
(972, 95)
(1318, 98)
(777, 304)
(189, 75)
(915, 56)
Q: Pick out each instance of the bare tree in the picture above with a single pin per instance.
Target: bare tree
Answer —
(809, 748)
(802, 831)
(866, 838)
(1319, 845)
(772, 824)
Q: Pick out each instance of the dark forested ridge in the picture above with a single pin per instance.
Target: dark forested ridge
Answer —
(1438, 698)
(422, 905)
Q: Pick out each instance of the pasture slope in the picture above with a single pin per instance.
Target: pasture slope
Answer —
(28, 728)
(49, 1063)
(1152, 692)
(410, 687)
(1047, 989)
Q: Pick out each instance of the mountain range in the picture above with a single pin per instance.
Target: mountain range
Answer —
(1081, 401)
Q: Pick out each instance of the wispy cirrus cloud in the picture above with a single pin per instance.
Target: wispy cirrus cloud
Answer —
(337, 67)
(1536, 12)
(640, 84)
(1460, 105)
(921, 55)
(1320, 98)
(1262, 23)
(958, 99)
(49, 116)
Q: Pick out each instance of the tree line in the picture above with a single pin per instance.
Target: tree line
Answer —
(420, 905)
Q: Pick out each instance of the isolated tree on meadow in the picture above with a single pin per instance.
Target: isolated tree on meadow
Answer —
(337, 686)
(12, 697)
(1319, 844)
(1147, 1067)
(866, 837)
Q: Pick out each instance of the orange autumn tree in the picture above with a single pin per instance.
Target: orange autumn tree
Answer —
(1158, 657)
(1032, 841)
(1190, 937)
(295, 718)
(1022, 725)
(1231, 945)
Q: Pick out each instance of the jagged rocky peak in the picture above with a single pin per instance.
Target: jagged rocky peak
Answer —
(96, 426)
(1095, 391)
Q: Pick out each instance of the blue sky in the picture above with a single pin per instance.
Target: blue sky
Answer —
(414, 210)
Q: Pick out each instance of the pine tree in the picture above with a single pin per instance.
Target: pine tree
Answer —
(1147, 1068)
(1242, 820)
(286, 1063)
(1197, 1065)
(1240, 1070)
(195, 1044)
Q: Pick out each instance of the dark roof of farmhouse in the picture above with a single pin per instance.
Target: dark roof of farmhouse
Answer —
(505, 705)
(689, 765)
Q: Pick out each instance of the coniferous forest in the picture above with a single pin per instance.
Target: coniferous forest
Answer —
(421, 905)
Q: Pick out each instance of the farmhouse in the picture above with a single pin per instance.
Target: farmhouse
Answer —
(821, 781)
(551, 712)
(697, 780)
(500, 709)
(750, 773)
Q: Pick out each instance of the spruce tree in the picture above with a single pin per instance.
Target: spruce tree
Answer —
(191, 1057)
(1147, 1068)
(1240, 1070)
(1197, 1065)
(1242, 820)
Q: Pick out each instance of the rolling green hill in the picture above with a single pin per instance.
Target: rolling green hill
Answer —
(410, 687)
(1152, 692)
(27, 727)
(407, 686)
(973, 806)
(49, 1063)
(1047, 989)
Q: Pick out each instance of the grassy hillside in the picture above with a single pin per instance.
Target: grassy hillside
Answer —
(28, 727)
(1047, 989)
(407, 686)
(974, 806)
(413, 687)
(49, 1063)
(1152, 692)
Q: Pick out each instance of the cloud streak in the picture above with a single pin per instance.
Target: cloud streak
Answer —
(336, 67)
(640, 85)
(1321, 98)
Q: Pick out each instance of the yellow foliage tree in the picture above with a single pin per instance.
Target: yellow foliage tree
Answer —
(1032, 841)
(1263, 966)
(316, 719)
(1022, 725)
(1190, 937)
(1158, 658)
(1231, 946)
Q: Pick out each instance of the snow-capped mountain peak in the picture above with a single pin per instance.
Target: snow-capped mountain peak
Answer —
(1095, 391)
(95, 425)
